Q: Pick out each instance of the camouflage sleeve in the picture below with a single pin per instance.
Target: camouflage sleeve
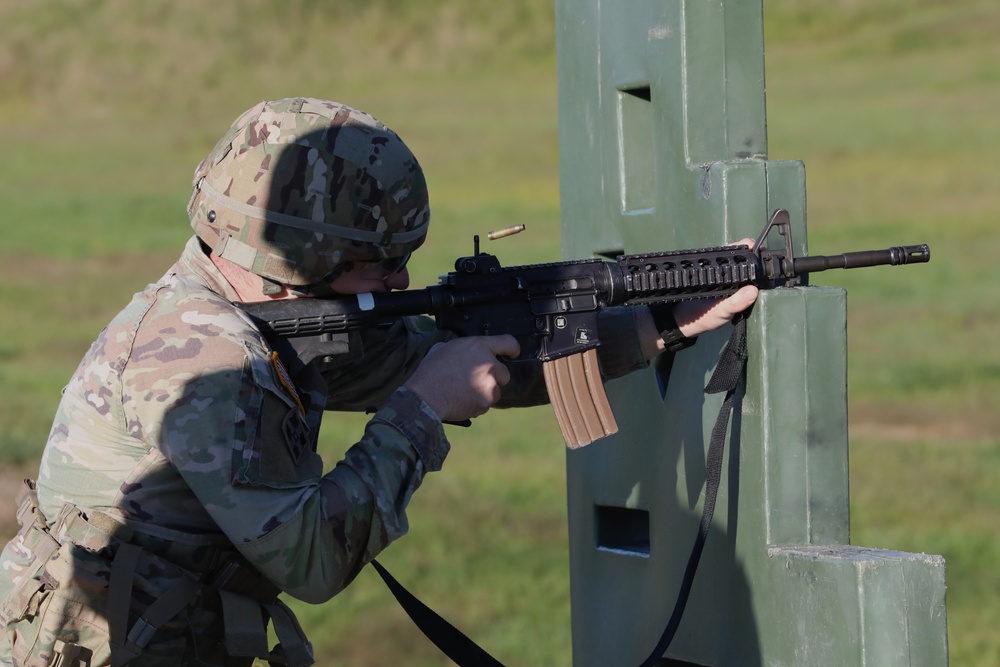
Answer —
(621, 350)
(244, 443)
(363, 379)
(355, 510)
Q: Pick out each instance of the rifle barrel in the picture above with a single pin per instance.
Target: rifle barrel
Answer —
(911, 254)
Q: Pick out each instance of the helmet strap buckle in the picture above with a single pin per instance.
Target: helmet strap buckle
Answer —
(271, 287)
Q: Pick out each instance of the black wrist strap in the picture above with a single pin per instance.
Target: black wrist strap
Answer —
(666, 324)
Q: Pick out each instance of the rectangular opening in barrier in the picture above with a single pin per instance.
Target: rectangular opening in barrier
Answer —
(636, 145)
(622, 530)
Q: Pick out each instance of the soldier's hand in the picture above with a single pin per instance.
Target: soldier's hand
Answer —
(698, 316)
(703, 315)
(461, 379)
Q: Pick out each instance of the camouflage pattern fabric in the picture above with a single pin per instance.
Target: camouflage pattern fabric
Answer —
(183, 424)
(268, 194)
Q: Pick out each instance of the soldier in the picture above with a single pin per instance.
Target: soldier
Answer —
(180, 490)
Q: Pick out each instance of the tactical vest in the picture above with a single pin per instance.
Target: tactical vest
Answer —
(90, 591)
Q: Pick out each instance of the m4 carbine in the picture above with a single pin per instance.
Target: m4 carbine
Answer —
(552, 308)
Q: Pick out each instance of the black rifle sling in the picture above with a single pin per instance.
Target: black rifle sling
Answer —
(452, 642)
(728, 374)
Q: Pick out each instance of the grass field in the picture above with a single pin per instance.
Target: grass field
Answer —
(108, 105)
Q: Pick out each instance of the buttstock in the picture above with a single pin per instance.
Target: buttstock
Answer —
(577, 394)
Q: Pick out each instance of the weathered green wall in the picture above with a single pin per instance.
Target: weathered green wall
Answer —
(663, 146)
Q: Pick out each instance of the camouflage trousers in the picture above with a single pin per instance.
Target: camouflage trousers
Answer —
(86, 594)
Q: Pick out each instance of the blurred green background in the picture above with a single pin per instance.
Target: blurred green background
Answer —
(106, 106)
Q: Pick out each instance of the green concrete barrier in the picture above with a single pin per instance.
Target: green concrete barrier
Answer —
(663, 146)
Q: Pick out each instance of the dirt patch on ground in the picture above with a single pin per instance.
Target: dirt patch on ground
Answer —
(922, 424)
(113, 270)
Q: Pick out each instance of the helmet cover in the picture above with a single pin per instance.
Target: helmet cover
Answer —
(299, 187)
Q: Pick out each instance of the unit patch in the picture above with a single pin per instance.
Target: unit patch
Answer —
(296, 433)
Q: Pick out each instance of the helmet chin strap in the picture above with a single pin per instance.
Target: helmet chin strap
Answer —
(246, 283)
(237, 260)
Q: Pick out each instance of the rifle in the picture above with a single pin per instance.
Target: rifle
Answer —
(552, 308)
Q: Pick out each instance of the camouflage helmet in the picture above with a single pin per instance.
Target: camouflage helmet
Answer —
(298, 188)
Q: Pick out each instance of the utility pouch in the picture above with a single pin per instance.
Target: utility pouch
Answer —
(41, 623)
(91, 591)
(30, 549)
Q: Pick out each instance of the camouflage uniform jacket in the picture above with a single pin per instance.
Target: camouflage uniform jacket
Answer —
(183, 423)
(182, 418)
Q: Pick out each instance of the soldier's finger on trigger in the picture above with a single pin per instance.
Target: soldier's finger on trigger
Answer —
(504, 346)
